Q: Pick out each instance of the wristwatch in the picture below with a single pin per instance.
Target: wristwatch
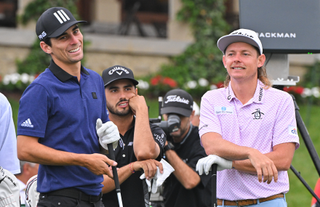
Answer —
(169, 146)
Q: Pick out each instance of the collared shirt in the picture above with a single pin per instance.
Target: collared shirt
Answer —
(62, 113)
(174, 193)
(268, 119)
(8, 140)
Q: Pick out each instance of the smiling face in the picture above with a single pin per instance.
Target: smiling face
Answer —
(242, 61)
(118, 94)
(67, 49)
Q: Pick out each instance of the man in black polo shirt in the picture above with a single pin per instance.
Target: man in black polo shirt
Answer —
(183, 150)
(141, 143)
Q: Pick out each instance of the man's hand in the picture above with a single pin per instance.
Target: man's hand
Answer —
(97, 163)
(149, 167)
(204, 164)
(138, 103)
(264, 166)
(151, 170)
(108, 134)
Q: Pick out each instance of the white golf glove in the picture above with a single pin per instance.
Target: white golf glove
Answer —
(158, 178)
(152, 187)
(108, 134)
(204, 164)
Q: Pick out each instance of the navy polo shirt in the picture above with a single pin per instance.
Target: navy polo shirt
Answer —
(62, 113)
(174, 193)
(131, 189)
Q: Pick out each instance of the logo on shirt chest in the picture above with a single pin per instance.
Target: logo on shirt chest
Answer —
(223, 110)
(257, 114)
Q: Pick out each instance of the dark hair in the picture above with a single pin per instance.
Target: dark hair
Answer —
(48, 41)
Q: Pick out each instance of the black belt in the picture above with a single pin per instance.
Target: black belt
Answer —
(74, 193)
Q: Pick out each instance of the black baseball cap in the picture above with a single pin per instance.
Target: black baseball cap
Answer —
(117, 72)
(55, 21)
(177, 101)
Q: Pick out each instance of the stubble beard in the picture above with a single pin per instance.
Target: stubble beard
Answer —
(114, 111)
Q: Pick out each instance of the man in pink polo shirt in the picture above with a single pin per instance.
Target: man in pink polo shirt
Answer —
(248, 128)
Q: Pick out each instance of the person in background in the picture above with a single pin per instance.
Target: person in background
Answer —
(183, 150)
(8, 140)
(141, 144)
(196, 117)
(62, 120)
(28, 170)
(248, 128)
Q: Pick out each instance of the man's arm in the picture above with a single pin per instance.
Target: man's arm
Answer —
(281, 155)
(8, 140)
(149, 168)
(185, 174)
(143, 142)
(264, 164)
(31, 150)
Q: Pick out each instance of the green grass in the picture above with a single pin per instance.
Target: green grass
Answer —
(302, 162)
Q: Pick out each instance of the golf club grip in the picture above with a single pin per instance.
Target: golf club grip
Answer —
(114, 168)
(214, 185)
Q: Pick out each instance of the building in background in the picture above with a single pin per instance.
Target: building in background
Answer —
(141, 33)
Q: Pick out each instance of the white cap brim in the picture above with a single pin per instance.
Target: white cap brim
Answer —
(226, 40)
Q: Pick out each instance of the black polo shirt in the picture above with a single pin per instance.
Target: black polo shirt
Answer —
(175, 195)
(131, 189)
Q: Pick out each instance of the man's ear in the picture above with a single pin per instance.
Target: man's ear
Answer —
(192, 115)
(224, 62)
(46, 48)
(261, 60)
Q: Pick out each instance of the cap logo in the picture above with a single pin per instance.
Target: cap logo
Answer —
(241, 33)
(61, 16)
(42, 35)
(175, 98)
(118, 70)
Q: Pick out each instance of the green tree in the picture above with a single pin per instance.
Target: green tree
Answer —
(202, 59)
(37, 60)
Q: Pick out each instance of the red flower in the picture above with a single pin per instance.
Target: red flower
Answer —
(299, 90)
(36, 76)
(287, 89)
(163, 81)
(220, 85)
(294, 89)
(169, 81)
(155, 80)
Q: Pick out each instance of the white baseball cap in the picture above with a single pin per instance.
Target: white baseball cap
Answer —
(9, 189)
(32, 195)
(240, 35)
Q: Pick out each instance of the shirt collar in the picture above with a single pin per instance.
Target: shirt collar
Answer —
(229, 95)
(61, 74)
(257, 97)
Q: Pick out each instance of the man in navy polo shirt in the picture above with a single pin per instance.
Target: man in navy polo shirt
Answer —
(141, 144)
(184, 187)
(60, 119)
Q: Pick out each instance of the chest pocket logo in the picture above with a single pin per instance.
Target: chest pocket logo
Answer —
(257, 114)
